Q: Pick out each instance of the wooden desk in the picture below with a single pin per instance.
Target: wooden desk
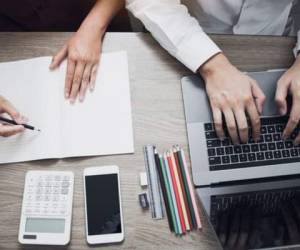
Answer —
(158, 118)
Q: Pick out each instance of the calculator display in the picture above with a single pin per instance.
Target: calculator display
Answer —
(103, 205)
(44, 225)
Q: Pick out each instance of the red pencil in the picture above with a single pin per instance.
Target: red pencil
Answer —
(180, 212)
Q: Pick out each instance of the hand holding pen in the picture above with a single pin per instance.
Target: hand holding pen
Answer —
(16, 125)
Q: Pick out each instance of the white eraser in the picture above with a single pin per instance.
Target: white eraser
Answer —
(143, 179)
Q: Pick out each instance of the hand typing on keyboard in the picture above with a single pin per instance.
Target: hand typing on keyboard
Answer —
(233, 94)
(290, 83)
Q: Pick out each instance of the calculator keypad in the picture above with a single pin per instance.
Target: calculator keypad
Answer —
(47, 194)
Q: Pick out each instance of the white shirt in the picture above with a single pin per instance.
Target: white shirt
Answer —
(181, 27)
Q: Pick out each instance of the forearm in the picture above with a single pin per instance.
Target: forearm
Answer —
(175, 29)
(101, 14)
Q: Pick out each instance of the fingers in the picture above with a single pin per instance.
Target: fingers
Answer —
(93, 77)
(78, 74)
(8, 130)
(69, 76)
(241, 121)
(258, 95)
(59, 57)
(280, 96)
(7, 107)
(218, 123)
(293, 119)
(85, 81)
(231, 125)
(252, 111)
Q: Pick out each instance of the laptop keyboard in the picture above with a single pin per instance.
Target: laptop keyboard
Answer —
(269, 150)
(268, 202)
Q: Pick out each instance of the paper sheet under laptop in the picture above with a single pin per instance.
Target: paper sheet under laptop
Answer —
(101, 125)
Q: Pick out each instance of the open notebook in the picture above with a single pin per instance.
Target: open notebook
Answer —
(101, 125)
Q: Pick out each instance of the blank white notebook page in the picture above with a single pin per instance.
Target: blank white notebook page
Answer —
(101, 125)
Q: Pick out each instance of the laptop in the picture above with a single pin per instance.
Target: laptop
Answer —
(214, 161)
(251, 192)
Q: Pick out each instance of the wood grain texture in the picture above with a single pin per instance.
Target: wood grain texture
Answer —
(158, 118)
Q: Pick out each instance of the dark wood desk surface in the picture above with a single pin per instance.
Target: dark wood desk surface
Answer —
(158, 118)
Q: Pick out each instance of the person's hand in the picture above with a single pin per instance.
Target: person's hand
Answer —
(233, 94)
(289, 83)
(83, 54)
(9, 130)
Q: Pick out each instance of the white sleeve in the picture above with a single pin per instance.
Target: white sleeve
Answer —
(175, 29)
(297, 47)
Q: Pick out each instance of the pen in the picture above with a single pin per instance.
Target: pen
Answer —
(14, 123)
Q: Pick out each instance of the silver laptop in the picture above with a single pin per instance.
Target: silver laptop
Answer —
(214, 161)
(253, 202)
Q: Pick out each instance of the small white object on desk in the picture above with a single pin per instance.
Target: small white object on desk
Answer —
(143, 179)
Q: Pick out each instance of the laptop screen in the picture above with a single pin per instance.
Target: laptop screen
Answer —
(260, 219)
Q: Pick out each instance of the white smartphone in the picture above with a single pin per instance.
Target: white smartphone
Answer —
(103, 209)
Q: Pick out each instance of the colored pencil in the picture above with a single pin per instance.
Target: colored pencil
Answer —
(163, 189)
(192, 190)
(169, 196)
(182, 183)
(180, 191)
(172, 194)
(186, 186)
(176, 191)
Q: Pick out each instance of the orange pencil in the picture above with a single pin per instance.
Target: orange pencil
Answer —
(180, 193)
(180, 212)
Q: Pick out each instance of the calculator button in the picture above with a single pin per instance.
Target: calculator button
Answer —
(55, 198)
(64, 191)
(66, 178)
(48, 177)
(65, 184)
(63, 198)
(39, 190)
(48, 184)
(57, 178)
(38, 197)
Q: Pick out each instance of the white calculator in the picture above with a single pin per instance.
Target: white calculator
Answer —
(47, 208)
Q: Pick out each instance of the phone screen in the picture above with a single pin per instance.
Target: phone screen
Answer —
(103, 205)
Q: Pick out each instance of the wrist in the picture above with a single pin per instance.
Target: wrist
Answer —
(93, 26)
(214, 64)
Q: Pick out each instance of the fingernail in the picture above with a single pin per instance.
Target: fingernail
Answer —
(66, 95)
(92, 88)
(81, 98)
(72, 101)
